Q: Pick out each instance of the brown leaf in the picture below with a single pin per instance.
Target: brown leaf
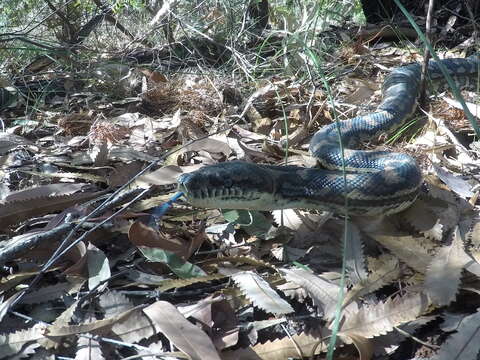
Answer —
(12, 343)
(88, 349)
(165, 175)
(132, 329)
(182, 333)
(44, 191)
(443, 274)
(457, 184)
(179, 283)
(260, 293)
(98, 267)
(363, 345)
(363, 91)
(378, 319)
(51, 292)
(153, 76)
(323, 292)
(209, 145)
(301, 345)
(387, 271)
(123, 173)
(64, 318)
(217, 318)
(17, 211)
(66, 330)
(464, 344)
(412, 251)
(141, 234)
(423, 219)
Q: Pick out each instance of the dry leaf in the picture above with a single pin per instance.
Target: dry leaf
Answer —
(17, 211)
(11, 344)
(11, 141)
(387, 344)
(424, 220)
(259, 292)
(51, 292)
(99, 154)
(114, 302)
(364, 91)
(67, 175)
(66, 330)
(378, 319)
(5, 305)
(387, 271)
(210, 145)
(412, 251)
(182, 333)
(305, 224)
(64, 318)
(217, 318)
(44, 191)
(458, 185)
(354, 258)
(464, 344)
(179, 283)
(98, 267)
(363, 345)
(88, 349)
(133, 328)
(165, 175)
(474, 109)
(141, 234)
(443, 274)
(301, 345)
(323, 292)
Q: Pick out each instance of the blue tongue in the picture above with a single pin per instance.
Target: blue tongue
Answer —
(159, 211)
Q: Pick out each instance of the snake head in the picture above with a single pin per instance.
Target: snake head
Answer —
(230, 185)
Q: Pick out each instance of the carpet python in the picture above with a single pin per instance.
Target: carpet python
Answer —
(373, 183)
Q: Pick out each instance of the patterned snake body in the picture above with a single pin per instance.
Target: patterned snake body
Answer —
(377, 182)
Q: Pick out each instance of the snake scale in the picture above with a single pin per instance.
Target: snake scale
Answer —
(375, 183)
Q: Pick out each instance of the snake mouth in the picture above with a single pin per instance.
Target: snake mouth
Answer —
(220, 197)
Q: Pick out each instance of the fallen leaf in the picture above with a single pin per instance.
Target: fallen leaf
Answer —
(98, 267)
(464, 343)
(443, 274)
(182, 333)
(261, 294)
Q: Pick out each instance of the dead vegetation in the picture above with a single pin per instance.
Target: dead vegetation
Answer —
(91, 270)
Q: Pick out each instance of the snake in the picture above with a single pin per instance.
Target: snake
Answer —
(346, 180)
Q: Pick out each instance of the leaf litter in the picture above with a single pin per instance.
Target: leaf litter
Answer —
(206, 284)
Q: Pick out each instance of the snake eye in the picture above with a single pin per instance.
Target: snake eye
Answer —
(227, 183)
